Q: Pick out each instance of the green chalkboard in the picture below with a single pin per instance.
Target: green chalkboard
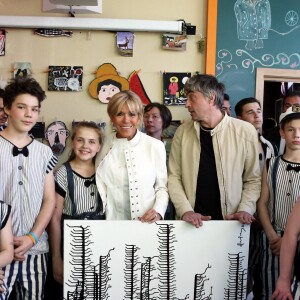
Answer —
(255, 34)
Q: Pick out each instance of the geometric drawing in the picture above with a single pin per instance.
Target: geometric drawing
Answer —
(107, 83)
(173, 85)
(22, 69)
(2, 42)
(253, 22)
(125, 43)
(291, 18)
(163, 260)
(65, 78)
(174, 42)
(136, 86)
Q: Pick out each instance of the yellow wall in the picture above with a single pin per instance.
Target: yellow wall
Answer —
(90, 51)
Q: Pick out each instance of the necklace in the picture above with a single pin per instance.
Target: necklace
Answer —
(205, 129)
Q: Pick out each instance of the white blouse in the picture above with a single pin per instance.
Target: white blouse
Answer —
(131, 177)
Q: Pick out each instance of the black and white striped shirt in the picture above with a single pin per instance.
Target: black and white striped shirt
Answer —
(22, 186)
(287, 192)
(85, 191)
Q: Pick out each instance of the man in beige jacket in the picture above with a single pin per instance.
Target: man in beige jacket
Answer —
(213, 167)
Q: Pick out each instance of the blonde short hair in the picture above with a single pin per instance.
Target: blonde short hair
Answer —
(130, 98)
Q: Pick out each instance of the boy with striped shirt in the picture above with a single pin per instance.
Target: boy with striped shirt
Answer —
(279, 193)
(27, 185)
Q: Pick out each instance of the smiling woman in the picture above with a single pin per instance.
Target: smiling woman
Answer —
(134, 165)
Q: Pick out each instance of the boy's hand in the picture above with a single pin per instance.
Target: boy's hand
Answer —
(22, 244)
(58, 272)
(275, 245)
(283, 290)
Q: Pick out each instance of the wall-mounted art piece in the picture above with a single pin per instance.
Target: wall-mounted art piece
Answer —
(107, 83)
(65, 78)
(22, 69)
(163, 260)
(173, 85)
(38, 130)
(57, 134)
(174, 42)
(125, 43)
(136, 86)
(2, 42)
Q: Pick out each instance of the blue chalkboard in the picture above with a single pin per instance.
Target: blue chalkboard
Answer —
(255, 34)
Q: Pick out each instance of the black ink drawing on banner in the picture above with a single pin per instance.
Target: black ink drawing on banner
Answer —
(125, 43)
(105, 261)
(65, 78)
(173, 85)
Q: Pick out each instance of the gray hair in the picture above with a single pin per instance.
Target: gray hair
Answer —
(208, 85)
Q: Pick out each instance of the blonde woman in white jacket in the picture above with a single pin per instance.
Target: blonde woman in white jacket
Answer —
(131, 171)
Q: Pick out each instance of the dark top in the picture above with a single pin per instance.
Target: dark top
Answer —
(208, 202)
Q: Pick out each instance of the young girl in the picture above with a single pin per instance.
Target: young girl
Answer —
(76, 192)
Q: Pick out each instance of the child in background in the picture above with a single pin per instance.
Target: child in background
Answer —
(82, 201)
(280, 191)
(287, 253)
(27, 185)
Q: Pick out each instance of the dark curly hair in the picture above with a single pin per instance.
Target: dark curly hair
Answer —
(20, 86)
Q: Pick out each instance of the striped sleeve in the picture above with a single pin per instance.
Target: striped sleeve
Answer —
(61, 181)
(5, 212)
(51, 164)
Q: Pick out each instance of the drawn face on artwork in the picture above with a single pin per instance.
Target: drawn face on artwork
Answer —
(106, 92)
(56, 134)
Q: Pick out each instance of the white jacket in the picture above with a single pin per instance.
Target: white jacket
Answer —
(131, 176)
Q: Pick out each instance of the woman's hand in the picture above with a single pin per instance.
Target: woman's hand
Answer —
(150, 216)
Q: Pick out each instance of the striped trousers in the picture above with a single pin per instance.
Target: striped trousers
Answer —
(270, 268)
(28, 276)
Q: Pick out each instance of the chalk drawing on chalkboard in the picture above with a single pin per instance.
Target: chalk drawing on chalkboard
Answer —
(291, 18)
(253, 22)
(268, 60)
(226, 59)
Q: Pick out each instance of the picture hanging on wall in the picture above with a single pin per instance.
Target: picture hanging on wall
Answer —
(38, 130)
(173, 85)
(136, 86)
(2, 42)
(125, 43)
(22, 69)
(107, 83)
(57, 134)
(65, 78)
(174, 42)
